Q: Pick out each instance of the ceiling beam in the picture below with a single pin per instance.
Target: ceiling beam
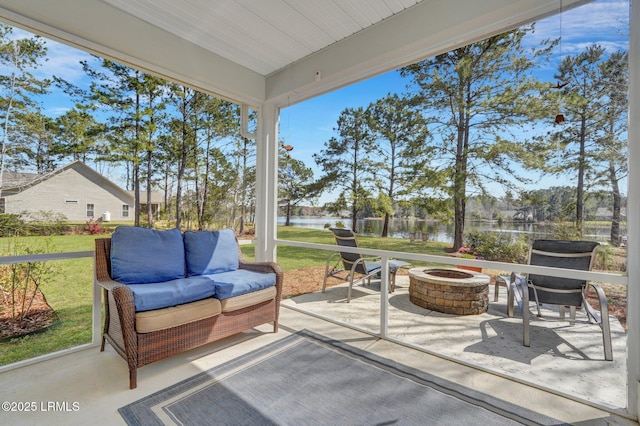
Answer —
(421, 31)
(97, 27)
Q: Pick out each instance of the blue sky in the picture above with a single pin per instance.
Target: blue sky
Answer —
(308, 125)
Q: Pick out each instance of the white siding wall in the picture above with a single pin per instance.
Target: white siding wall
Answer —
(68, 193)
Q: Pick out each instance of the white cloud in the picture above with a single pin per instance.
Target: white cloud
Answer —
(604, 22)
(62, 61)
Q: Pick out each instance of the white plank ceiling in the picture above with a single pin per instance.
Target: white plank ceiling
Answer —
(263, 35)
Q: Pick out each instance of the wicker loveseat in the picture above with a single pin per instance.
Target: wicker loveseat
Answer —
(167, 292)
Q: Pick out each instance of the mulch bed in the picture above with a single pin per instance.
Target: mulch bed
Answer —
(40, 316)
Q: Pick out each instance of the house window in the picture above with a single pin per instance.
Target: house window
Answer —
(125, 210)
(2, 205)
(90, 210)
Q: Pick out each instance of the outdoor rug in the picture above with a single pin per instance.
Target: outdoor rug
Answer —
(308, 379)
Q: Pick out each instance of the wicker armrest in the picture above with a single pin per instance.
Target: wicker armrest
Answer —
(266, 267)
(109, 284)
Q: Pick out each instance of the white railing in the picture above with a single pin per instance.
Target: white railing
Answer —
(605, 277)
(96, 304)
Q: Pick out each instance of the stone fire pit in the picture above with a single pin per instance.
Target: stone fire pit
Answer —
(450, 291)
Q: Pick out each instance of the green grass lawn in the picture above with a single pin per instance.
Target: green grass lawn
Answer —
(299, 258)
(70, 291)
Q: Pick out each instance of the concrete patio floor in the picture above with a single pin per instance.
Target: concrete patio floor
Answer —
(98, 382)
(565, 358)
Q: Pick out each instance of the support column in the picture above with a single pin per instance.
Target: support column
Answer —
(266, 182)
(633, 214)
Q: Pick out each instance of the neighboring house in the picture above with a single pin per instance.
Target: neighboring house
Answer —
(157, 201)
(603, 213)
(76, 191)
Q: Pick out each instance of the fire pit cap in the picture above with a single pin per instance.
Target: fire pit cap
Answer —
(448, 273)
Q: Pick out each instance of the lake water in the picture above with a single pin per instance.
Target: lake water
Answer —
(400, 228)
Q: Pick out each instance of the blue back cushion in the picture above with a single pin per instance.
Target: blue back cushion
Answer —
(210, 252)
(141, 255)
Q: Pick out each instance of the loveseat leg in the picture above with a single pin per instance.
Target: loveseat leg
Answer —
(275, 326)
(102, 344)
(133, 379)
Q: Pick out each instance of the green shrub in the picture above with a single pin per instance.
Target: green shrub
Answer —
(11, 225)
(498, 247)
(609, 258)
(564, 231)
(20, 282)
(46, 223)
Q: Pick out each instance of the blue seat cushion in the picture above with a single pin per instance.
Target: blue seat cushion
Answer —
(151, 296)
(241, 281)
(210, 252)
(141, 255)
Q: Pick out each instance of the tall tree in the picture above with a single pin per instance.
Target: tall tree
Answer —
(19, 56)
(582, 102)
(347, 162)
(611, 146)
(244, 155)
(215, 121)
(401, 132)
(295, 184)
(32, 142)
(118, 89)
(475, 96)
(182, 99)
(153, 90)
(76, 134)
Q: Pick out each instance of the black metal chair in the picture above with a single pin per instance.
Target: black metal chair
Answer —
(354, 263)
(563, 292)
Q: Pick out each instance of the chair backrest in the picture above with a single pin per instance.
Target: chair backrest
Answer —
(577, 255)
(346, 238)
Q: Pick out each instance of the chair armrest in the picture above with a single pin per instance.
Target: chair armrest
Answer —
(108, 284)
(264, 267)
(120, 311)
(602, 299)
(516, 291)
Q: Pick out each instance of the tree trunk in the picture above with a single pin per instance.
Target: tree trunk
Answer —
(288, 219)
(459, 186)
(580, 188)
(354, 217)
(181, 170)
(149, 205)
(615, 220)
(136, 162)
(385, 226)
(243, 193)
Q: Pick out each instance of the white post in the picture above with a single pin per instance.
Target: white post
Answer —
(96, 333)
(266, 182)
(633, 214)
(384, 297)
